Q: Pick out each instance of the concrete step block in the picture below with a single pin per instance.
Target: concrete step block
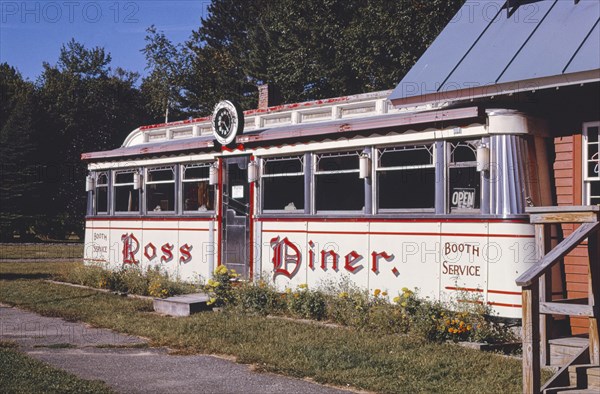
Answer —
(182, 305)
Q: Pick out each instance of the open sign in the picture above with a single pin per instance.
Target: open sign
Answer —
(463, 198)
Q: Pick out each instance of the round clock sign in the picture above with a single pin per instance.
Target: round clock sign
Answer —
(227, 122)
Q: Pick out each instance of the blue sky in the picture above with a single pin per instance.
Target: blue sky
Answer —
(32, 32)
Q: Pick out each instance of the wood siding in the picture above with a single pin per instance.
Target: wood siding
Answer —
(568, 182)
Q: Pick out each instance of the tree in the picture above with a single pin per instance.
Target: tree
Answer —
(219, 56)
(168, 64)
(309, 49)
(86, 106)
(19, 186)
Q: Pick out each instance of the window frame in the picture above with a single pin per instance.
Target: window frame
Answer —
(113, 197)
(449, 164)
(182, 181)
(147, 170)
(303, 159)
(586, 178)
(315, 173)
(379, 151)
(95, 195)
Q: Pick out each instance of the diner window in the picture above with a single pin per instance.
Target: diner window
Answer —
(160, 189)
(464, 182)
(591, 169)
(198, 195)
(283, 183)
(406, 177)
(338, 186)
(127, 199)
(101, 193)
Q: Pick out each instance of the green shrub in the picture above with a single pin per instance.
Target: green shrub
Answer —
(467, 318)
(220, 287)
(306, 303)
(259, 298)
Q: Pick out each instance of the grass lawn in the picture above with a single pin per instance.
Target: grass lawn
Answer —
(20, 373)
(41, 251)
(339, 356)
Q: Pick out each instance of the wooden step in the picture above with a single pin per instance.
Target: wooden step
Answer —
(593, 377)
(557, 390)
(562, 350)
(579, 375)
(182, 305)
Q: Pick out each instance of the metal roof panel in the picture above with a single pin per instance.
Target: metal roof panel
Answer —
(447, 50)
(555, 41)
(498, 45)
(537, 41)
(588, 56)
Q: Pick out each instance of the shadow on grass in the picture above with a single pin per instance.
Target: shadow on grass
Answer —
(12, 276)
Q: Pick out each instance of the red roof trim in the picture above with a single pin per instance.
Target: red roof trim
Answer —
(173, 124)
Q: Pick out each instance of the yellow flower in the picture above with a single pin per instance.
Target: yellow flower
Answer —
(377, 292)
(403, 304)
(384, 293)
(302, 286)
(288, 290)
(211, 301)
(343, 295)
(396, 300)
(405, 290)
(221, 270)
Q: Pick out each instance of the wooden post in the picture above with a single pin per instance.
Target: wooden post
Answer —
(594, 296)
(543, 238)
(531, 339)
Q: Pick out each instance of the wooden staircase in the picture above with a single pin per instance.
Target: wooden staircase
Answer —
(583, 378)
(576, 358)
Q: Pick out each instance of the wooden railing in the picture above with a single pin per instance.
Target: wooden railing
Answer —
(538, 305)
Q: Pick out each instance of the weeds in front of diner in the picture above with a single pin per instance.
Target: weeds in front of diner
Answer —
(129, 279)
(466, 318)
